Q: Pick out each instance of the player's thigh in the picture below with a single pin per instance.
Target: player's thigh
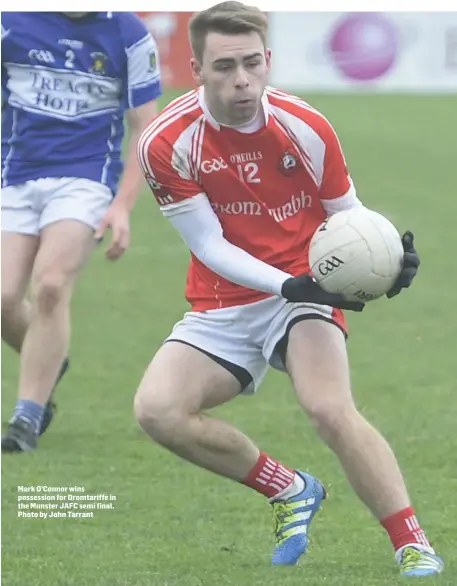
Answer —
(183, 380)
(70, 198)
(317, 362)
(21, 209)
(209, 358)
(231, 336)
(65, 246)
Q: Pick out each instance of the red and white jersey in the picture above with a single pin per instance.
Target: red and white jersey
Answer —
(270, 189)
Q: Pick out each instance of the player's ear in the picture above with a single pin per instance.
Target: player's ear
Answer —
(268, 58)
(196, 69)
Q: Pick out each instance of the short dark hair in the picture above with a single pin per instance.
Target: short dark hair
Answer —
(227, 18)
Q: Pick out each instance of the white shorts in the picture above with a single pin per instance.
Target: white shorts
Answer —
(247, 336)
(29, 207)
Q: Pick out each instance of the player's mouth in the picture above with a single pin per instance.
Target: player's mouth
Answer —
(245, 102)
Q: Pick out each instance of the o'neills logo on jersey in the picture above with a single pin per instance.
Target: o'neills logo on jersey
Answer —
(253, 208)
(246, 157)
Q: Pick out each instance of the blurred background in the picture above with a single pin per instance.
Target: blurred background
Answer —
(336, 51)
(388, 84)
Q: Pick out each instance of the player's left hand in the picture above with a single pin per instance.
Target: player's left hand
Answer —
(411, 262)
(117, 219)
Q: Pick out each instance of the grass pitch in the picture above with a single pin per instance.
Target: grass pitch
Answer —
(175, 525)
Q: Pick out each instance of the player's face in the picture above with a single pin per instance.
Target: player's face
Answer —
(234, 73)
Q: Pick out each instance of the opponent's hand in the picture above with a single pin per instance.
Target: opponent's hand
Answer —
(117, 219)
(411, 262)
(305, 289)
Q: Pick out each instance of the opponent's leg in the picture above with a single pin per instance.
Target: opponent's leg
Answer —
(20, 241)
(18, 256)
(64, 248)
(316, 360)
(72, 211)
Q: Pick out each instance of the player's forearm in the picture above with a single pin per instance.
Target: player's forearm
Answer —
(201, 230)
(238, 266)
(132, 182)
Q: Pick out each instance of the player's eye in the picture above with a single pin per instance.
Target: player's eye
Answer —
(223, 67)
(253, 64)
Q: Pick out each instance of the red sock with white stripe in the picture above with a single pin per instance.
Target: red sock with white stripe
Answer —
(274, 480)
(404, 529)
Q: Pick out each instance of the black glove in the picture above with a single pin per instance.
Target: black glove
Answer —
(305, 289)
(411, 262)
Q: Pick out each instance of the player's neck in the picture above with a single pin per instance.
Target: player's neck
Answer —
(253, 125)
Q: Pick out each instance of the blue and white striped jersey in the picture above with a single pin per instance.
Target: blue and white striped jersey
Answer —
(66, 84)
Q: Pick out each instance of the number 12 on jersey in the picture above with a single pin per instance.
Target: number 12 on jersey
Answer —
(248, 173)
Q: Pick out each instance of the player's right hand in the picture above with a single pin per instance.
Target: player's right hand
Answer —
(116, 218)
(305, 289)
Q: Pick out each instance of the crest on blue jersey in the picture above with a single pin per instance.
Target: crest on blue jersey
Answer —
(98, 63)
(152, 62)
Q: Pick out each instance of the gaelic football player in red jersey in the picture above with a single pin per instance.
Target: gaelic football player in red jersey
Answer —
(246, 173)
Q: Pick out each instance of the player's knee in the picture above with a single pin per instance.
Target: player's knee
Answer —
(49, 290)
(331, 419)
(158, 417)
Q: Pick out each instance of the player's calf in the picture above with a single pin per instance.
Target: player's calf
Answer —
(15, 315)
(18, 253)
(46, 343)
(11, 303)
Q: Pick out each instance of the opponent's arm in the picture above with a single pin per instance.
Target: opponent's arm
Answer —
(132, 182)
(142, 87)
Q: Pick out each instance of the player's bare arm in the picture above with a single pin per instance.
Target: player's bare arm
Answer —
(130, 187)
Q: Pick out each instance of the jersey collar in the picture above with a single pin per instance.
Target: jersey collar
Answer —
(210, 118)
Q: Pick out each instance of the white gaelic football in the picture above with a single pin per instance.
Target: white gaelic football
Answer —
(358, 253)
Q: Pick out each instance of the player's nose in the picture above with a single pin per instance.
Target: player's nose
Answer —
(241, 79)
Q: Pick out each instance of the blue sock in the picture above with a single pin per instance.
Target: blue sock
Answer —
(30, 410)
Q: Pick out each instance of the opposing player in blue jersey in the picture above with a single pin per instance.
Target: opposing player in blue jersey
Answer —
(68, 82)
